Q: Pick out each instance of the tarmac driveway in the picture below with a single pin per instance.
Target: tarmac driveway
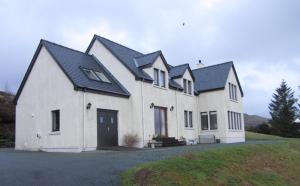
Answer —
(87, 168)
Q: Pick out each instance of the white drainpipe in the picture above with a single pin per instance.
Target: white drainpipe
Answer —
(83, 123)
(142, 96)
(177, 114)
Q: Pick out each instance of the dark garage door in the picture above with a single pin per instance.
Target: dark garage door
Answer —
(107, 128)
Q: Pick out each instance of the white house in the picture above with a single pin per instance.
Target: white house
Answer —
(80, 101)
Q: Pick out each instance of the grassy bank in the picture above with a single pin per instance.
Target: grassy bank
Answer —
(264, 164)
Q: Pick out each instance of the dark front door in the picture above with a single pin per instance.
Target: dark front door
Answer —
(160, 121)
(107, 128)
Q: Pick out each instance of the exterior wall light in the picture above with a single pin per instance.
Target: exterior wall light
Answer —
(151, 105)
(88, 106)
(171, 108)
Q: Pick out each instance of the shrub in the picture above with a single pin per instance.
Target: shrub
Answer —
(130, 140)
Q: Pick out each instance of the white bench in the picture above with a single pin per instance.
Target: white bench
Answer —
(207, 138)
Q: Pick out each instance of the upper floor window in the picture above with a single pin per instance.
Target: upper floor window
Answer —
(184, 86)
(232, 92)
(55, 121)
(187, 86)
(162, 79)
(188, 119)
(190, 87)
(159, 78)
(156, 78)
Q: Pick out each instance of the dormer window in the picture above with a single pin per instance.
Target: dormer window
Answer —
(184, 86)
(187, 86)
(232, 92)
(159, 78)
(95, 75)
(162, 79)
(190, 87)
(156, 78)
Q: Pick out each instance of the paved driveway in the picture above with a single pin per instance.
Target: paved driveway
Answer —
(87, 168)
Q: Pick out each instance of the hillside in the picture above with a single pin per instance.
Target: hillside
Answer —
(7, 119)
(254, 120)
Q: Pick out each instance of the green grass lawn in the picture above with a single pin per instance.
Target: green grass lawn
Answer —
(275, 163)
(258, 136)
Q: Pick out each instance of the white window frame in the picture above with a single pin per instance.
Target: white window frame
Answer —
(188, 119)
(232, 92)
(208, 113)
(155, 77)
(54, 121)
(161, 78)
(185, 89)
(234, 121)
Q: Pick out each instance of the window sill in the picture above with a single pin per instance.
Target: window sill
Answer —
(209, 130)
(188, 128)
(163, 88)
(186, 94)
(231, 130)
(236, 101)
(54, 133)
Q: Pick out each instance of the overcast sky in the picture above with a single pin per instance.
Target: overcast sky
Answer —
(261, 37)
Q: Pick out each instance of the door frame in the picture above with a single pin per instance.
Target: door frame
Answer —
(107, 110)
(166, 118)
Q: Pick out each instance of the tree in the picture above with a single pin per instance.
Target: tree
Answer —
(283, 111)
(299, 107)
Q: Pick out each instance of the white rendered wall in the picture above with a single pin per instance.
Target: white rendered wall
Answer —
(48, 88)
(99, 101)
(214, 101)
(165, 97)
(234, 136)
(219, 101)
(127, 79)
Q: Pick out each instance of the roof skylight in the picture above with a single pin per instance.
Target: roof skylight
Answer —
(95, 75)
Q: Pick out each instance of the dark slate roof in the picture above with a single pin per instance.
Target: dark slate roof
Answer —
(178, 71)
(147, 59)
(71, 62)
(174, 85)
(213, 77)
(125, 55)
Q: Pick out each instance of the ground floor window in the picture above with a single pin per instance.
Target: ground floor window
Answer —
(188, 119)
(160, 121)
(55, 120)
(234, 120)
(213, 120)
(204, 121)
(209, 120)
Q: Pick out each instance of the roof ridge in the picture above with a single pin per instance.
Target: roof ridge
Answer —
(59, 45)
(213, 65)
(119, 44)
(147, 54)
(181, 65)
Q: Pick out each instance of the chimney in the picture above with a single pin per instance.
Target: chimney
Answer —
(199, 65)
